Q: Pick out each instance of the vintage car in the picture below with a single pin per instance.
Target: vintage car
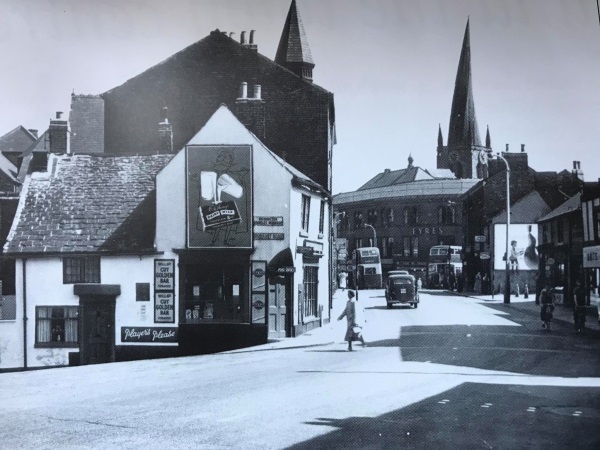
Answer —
(401, 289)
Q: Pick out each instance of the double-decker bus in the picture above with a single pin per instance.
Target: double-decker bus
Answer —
(367, 266)
(444, 260)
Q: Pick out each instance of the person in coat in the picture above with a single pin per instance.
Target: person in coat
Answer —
(352, 314)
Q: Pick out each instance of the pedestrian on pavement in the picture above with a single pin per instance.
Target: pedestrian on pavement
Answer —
(485, 282)
(477, 285)
(343, 278)
(547, 304)
(355, 319)
(579, 307)
(419, 283)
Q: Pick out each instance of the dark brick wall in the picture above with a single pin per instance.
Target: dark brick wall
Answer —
(196, 81)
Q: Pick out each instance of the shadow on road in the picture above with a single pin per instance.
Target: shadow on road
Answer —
(473, 415)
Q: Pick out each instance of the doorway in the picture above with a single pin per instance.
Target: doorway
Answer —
(97, 343)
(279, 306)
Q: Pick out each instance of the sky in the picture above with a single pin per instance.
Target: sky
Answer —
(391, 65)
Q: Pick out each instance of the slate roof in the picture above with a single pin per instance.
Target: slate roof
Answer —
(293, 46)
(571, 205)
(529, 209)
(16, 140)
(87, 124)
(410, 174)
(88, 204)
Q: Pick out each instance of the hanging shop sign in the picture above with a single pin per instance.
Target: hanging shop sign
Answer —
(591, 257)
(304, 250)
(269, 236)
(164, 307)
(271, 221)
(148, 334)
(479, 238)
(164, 275)
(219, 196)
(484, 255)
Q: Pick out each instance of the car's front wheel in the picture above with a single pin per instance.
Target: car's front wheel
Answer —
(415, 305)
(389, 305)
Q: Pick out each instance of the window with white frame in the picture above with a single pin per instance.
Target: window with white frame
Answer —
(322, 218)
(56, 326)
(81, 269)
(311, 289)
(305, 212)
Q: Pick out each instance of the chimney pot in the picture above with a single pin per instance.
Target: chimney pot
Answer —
(243, 90)
(251, 37)
(574, 165)
(522, 147)
(243, 37)
(58, 114)
(257, 91)
(507, 148)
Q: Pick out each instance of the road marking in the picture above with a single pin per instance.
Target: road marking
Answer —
(577, 413)
(531, 409)
(443, 402)
(468, 335)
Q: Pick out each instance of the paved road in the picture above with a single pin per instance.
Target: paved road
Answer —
(453, 373)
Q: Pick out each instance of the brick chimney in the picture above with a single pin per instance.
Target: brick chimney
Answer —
(58, 132)
(251, 45)
(577, 170)
(251, 110)
(165, 132)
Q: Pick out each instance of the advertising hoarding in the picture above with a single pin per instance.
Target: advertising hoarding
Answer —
(523, 254)
(219, 196)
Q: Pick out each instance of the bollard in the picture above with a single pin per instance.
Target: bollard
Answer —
(526, 293)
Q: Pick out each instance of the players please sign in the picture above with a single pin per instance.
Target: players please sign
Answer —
(164, 275)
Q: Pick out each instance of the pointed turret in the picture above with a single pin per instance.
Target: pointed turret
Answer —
(488, 140)
(293, 52)
(463, 129)
(440, 137)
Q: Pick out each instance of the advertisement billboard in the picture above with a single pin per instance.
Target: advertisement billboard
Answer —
(219, 196)
(522, 243)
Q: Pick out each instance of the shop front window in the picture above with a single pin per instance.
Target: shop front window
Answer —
(214, 294)
(56, 326)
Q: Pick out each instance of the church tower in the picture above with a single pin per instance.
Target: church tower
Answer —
(293, 52)
(464, 153)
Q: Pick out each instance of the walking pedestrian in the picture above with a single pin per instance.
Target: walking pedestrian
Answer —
(343, 278)
(547, 305)
(355, 319)
(579, 307)
(477, 285)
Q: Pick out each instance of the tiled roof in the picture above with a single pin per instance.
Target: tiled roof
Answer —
(572, 204)
(88, 204)
(87, 124)
(16, 140)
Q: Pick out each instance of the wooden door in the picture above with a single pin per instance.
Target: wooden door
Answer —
(97, 334)
(278, 294)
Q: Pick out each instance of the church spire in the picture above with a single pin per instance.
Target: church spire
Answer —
(440, 137)
(488, 140)
(463, 129)
(293, 52)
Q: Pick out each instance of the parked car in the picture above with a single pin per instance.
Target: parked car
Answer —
(401, 289)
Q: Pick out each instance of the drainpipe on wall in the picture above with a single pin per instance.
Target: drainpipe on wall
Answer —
(24, 313)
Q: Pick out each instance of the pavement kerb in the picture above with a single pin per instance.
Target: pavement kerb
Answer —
(562, 313)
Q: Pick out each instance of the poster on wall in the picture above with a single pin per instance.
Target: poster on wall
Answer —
(164, 274)
(522, 243)
(219, 196)
(164, 307)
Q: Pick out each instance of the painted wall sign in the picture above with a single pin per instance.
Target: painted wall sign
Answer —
(285, 269)
(148, 334)
(317, 247)
(164, 275)
(427, 230)
(269, 236)
(164, 307)
(591, 256)
(273, 221)
(219, 196)
(304, 250)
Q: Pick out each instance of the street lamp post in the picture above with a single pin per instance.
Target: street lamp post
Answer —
(374, 233)
(507, 287)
